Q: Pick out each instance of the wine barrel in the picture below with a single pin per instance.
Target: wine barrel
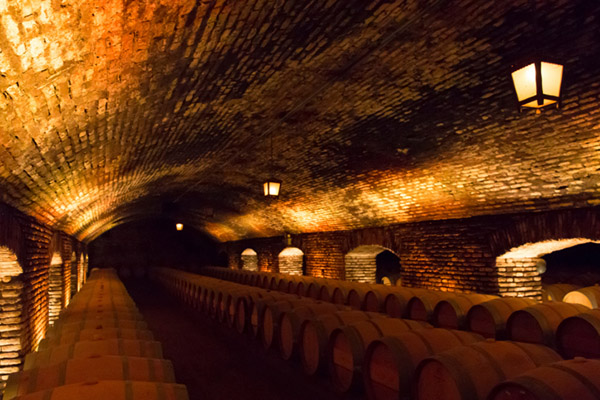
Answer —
(557, 291)
(272, 316)
(588, 296)
(93, 348)
(375, 298)
(291, 321)
(113, 390)
(347, 347)
(314, 337)
(256, 314)
(356, 295)
(420, 307)
(579, 336)
(489, 318)
(79, 370)
(96, 334)
(574, 379)
(340, 292)
(326, 292)
(390, 361)
(313, 290)
(538, 323)
(59, 328)
(471, 372)
(452, 313)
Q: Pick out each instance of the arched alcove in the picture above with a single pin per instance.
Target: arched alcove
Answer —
(520, 269)
(74, 274)
(387, 268)
(578, 265)
(11, 318)
(362, 264)
(249, 260)
(291, 261)
(55, 287)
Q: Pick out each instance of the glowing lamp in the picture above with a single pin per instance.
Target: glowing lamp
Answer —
(537, 85)
(271, 187)
(179, 227)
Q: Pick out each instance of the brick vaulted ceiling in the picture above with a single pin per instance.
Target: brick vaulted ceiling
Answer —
(380, 111)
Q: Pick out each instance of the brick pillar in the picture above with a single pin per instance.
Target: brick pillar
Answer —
(519, 277)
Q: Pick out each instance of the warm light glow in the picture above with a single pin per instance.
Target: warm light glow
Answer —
(271, 187)
(538, 84)
(179, 227)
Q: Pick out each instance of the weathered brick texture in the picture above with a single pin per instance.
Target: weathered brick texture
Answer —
(381, 112)
(24, 305)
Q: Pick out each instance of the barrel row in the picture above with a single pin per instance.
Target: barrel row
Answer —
(100, 347)
(365, 350)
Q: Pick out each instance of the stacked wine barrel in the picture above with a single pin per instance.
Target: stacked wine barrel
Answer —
(99, 348)
(380, 339)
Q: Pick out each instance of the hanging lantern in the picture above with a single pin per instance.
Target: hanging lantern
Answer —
(271, 187)
(179, 226)
(537, 85)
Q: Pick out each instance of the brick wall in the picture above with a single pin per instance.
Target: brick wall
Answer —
(33, 244)
(453, 255)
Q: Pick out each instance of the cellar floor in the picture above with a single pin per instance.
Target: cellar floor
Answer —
(217, 363)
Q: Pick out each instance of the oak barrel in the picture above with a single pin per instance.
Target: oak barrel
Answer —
(579, 336)
(557, 291)
(291, 321)
(471, 372)
(538, 323)
(93, 348)
(314, 337)
(79, 370)
(452, 313)
(347, 347)
(390, 361)
(577, 379)
(587, 296)
(113, 390)
(420, 307)
(489, 318)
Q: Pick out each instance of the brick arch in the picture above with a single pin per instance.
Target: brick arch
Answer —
(532, 228)
(519, 244)
(249, 259)
(55, 287)
(291, 261)
(361, 262)
(11, 313)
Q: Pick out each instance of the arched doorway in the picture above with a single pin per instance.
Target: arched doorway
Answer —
(249, 260)
(55, 287)
(371, 264)
(291, 261)
(520, 269)
(11, 318)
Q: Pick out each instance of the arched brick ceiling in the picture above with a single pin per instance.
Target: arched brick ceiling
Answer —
(380, 111)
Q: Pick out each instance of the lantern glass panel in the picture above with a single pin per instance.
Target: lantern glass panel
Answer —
(272, 188)
(524, 81)
(551, 79)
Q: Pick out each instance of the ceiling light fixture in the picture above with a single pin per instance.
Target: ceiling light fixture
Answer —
(179, 226)
(537, 83)
(272, 185)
